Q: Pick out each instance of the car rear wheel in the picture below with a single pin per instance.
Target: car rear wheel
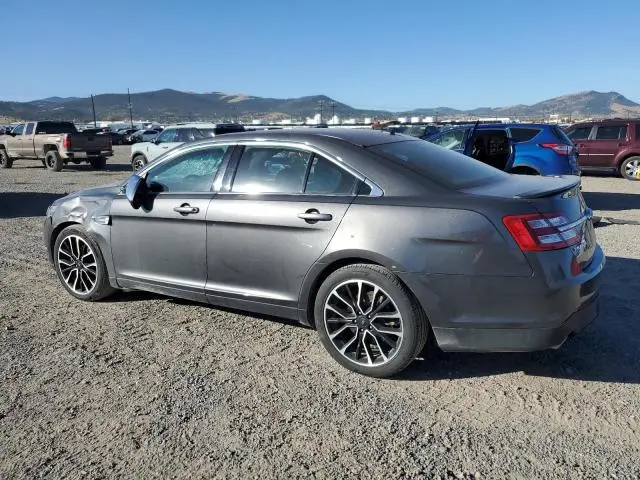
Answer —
(5, 161)
(80, 265)
(630, 168)
(369, 321)
(138, 162)
(53, 161)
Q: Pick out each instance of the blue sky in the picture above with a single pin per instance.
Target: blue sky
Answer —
(371, 54)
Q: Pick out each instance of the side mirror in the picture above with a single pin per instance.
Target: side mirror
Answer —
(135, 190)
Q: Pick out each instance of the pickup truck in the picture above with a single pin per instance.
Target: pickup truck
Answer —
(55, 144)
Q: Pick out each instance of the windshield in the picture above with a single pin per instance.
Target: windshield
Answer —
(445, 167)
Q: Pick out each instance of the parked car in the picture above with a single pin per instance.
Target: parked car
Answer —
(143, 136)
(420, 131)
(116, 138)
(174, 135)
(55, 144)
(376, 240)
(608, 145)
(527, 148)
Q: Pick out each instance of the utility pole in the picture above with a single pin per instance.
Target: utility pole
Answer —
(333, 111)
(130, 108)
(93, 107)
(321, 109)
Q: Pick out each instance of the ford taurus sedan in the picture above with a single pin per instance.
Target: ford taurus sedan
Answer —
(377, 240)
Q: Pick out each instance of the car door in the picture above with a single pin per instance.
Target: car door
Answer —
(161, 246)
(608, 140)
(274, 217)
(14, 142)
(164, 142)
(26, 144)
(580, 135)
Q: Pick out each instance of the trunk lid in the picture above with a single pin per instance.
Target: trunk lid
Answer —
(89, 142)
(558, 199)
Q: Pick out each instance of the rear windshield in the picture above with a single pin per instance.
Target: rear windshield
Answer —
(559, 133)
(445, 167)
(56, 127)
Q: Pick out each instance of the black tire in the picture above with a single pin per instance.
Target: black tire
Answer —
(101, 288)
(98, 163)
(53, 161)
(630, 168)
(414, 323)
(138, 162)
(5, 161)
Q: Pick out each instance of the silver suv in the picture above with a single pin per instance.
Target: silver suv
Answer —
(174, 135)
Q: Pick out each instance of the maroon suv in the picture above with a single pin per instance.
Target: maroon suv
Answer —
(608, 145)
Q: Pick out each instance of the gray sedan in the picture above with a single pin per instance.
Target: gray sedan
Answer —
(377, 240)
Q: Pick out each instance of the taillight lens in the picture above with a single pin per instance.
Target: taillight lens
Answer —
(66, 142)
(539, 232)
(559, 148)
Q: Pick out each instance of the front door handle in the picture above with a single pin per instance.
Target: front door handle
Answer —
(314, 216)
(186, 209)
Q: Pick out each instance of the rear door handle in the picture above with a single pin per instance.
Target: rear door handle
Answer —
(186, 209)
(314, 216)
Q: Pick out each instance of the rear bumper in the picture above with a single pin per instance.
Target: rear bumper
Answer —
(508, 314)
(516, 339)
(87, 155)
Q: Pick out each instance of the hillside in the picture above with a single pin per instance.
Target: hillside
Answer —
(172, 105)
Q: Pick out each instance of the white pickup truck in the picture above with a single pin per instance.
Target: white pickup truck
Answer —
(174, 135)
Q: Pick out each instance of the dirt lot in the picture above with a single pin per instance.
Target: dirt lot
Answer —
(146, 386)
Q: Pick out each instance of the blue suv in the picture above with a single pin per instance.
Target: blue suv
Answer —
(524, 148)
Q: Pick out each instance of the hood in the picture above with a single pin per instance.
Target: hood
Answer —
(105, 191)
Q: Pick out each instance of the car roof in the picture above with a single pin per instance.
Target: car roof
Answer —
(355, 136)
(203, 125)
(607, 120)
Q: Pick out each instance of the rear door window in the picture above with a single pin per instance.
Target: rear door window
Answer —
(271, 169)
(611, 132)
(29, 129)
(327, 178)
(523, 134)
(579, 133)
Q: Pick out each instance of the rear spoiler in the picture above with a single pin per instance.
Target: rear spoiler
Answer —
(571, 182)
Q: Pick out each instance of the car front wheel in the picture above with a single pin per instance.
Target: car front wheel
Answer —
(138, 162)
(369, 321)
(80, 265)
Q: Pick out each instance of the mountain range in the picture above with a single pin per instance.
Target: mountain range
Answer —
(171, 105)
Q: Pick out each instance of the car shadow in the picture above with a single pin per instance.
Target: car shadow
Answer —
(610, 201)
(608, 350)
(26, 204)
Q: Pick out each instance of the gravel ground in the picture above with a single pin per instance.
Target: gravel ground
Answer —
(146, 386)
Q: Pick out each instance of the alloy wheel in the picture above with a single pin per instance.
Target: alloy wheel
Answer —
(363, 323)
(138, 163)
(78, 265)
(632, 169)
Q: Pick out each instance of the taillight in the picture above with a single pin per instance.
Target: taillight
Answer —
(66, 142)
(539, 232)
(559, 148)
